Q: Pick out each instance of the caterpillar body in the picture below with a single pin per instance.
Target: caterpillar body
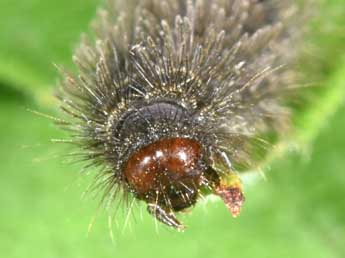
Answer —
(174, 98)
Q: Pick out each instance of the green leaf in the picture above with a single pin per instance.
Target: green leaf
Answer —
(34, 35)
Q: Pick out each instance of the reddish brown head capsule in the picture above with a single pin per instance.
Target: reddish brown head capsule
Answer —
(166, 172)
(167, 175)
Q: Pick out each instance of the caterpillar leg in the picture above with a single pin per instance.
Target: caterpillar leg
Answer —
(232, 196)
(165, 216)
(229, 188)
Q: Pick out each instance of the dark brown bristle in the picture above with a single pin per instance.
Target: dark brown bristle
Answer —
(177, 97)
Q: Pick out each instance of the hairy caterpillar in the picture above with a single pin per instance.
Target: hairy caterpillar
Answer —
(176, 97)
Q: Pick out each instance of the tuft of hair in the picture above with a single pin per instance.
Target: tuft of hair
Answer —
(219, 70)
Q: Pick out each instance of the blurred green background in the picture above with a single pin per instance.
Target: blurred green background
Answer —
(298, 211)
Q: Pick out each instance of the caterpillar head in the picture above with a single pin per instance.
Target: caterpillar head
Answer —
(168, 163)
